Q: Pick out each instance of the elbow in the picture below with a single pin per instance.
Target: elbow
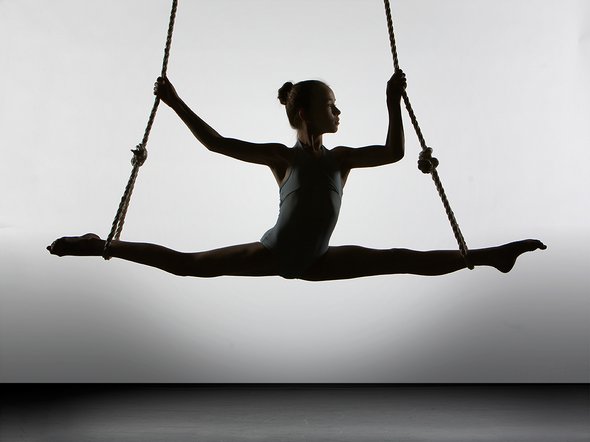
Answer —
(214, 143)
(397, 155)
(395, 151)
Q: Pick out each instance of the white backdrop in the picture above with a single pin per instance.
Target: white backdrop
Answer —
(500, 90)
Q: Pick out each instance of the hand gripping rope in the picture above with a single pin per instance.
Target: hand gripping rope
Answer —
(427, 163)
(140, 152)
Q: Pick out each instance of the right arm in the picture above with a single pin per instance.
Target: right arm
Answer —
(273, 155)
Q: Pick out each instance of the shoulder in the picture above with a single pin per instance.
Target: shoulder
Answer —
(340, 154)
(339, 150)
(366, 156)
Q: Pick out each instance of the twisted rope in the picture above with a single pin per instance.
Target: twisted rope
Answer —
(427, 164)
(140, 152)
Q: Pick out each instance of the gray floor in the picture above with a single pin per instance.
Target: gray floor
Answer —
(296, 413)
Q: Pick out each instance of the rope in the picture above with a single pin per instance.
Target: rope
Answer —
(140, 152)
(426, 163)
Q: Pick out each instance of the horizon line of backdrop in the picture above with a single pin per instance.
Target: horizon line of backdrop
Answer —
(501, 93)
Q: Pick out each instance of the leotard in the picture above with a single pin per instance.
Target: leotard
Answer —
(309, 205)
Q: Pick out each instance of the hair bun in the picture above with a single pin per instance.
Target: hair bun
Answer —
(284, 92)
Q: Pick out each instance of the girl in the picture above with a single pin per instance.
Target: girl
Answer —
(310, 178)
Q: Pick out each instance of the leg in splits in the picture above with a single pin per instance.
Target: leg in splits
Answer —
(251, 259)
(346, 262)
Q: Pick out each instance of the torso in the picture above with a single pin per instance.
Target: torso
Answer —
(310, 198)
(281, 172)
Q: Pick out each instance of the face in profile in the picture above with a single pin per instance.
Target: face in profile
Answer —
(323, 113)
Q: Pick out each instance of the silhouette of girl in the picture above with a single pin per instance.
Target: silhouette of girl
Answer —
(311, 179)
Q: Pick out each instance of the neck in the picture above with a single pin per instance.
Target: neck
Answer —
(310, 141)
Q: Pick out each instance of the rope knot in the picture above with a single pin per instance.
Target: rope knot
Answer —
(139, 155)
(426, 162)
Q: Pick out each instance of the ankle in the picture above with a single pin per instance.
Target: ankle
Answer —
(96, 246)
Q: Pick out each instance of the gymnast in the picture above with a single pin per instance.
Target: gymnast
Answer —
(310, 179)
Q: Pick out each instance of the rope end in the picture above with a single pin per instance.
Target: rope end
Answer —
(106, 250)
(467, 260)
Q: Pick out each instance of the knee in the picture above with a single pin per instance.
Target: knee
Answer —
(182, 269)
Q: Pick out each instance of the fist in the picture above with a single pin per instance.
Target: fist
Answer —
(165, 91)
(396, 85)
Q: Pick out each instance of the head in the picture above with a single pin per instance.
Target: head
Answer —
(311, 106)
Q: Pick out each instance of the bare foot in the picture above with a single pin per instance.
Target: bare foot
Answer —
(503, 257)
(85, 245)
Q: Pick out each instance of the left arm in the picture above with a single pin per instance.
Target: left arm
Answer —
(393, 150)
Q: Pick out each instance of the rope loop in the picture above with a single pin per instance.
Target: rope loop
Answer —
(139, 155)
(426, 162)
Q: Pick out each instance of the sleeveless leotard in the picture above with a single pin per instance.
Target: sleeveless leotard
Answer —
(309, 205)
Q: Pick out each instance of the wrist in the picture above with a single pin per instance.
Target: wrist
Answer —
(394, 103)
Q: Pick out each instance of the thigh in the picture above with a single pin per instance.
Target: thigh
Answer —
(347, 262)
(250, 259)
